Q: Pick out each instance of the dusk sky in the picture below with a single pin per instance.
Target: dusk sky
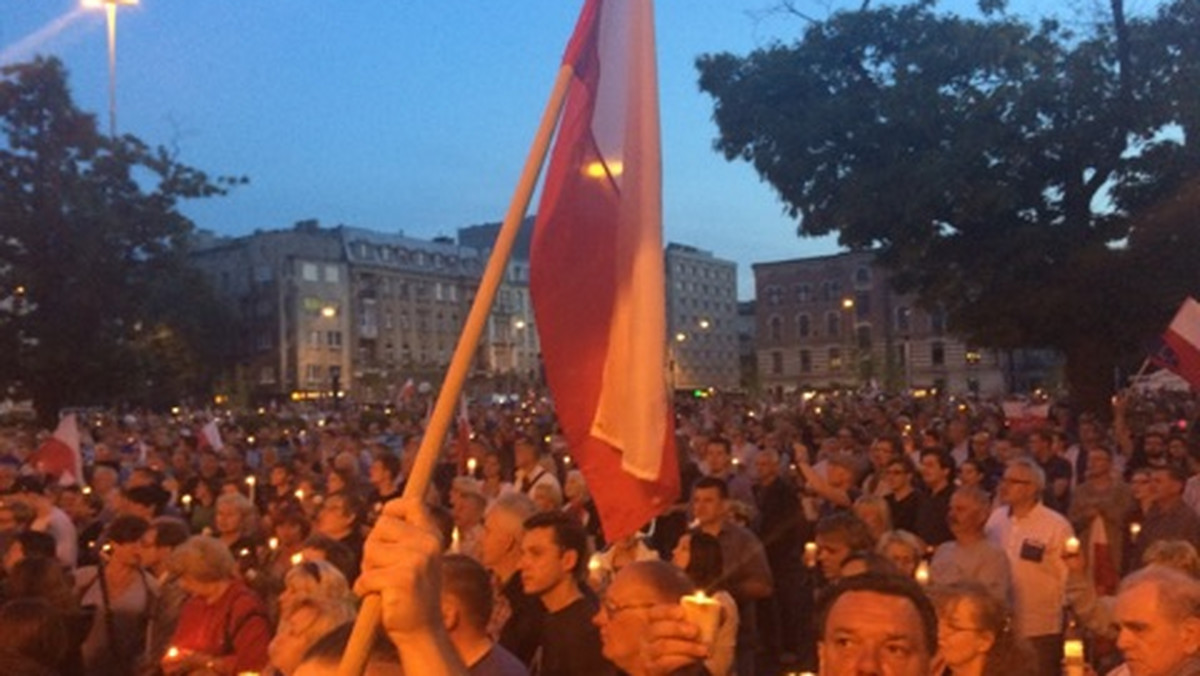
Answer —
(399, 115)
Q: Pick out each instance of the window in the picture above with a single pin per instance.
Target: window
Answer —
(805, 361)
(835, 359)
(937, 322)
(803, 293)
(862, 336)
(266, 375)
(773, 295)
(903, 318)
(334, 339)
(313, 373)
(803, 326)
(862, 276)
(862, 304)
(309, 272)
(776, 328)
(314, 339)
(833, 324)
(262, 273)
(974, 356)
(777, 363)
(332, 275)
(937, 354)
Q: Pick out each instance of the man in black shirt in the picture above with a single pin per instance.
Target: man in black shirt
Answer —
(937, 473)
(517, 618)
(554, 560)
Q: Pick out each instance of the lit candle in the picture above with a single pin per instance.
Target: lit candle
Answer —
(1135, 529)
(704, 612)
(810, 554)
(244, 552)
(186, 501)
(297, 558)
(472, 463)
(922, 573)
(172, 653)
(567, 460)
(300, 494)
(251, 481)
(273, 544)
(86, 490)
(1072, 546)
(1073, 662)
(455, 542)
(595, 570)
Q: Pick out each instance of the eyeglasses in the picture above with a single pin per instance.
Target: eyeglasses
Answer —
(1016, 482)
(946, 627)
(611, 609)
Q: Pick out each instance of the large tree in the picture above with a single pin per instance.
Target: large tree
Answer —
(1002, 169)
(97, 303)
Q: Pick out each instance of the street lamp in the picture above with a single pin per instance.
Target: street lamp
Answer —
(110, 10)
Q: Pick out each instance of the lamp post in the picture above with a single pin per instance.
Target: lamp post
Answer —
(851, 353)
(110, 11)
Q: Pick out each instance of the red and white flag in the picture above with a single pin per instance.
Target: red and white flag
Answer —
(1180, 351)
(59, 455)
(596, 269)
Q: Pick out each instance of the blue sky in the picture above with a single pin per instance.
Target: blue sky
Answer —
(398, 114)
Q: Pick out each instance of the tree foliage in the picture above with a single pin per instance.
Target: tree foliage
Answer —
(1004, 170)
(97, 303)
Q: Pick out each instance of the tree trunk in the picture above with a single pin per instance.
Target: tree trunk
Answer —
(1090, 362)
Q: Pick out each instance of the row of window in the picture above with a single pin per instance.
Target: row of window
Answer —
(937, 357)
(902, 320)
(403, 256)
(721, 274)
(311, 272)
(827, 291)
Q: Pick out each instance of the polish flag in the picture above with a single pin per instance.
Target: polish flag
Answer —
(1180, 351)
(59, 455)
(596, 269)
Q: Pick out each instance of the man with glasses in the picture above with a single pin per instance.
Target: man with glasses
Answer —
(624, 617)
(1033, 537)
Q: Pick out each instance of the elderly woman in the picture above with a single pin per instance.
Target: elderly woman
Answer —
(237, 524)
(903, 549)
(307, 622)
(223, 625)
(314, 580)
(975, 634)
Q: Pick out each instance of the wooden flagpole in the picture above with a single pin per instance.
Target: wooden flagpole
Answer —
(354, 660)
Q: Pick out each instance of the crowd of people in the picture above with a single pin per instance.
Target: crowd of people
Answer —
(839, 533)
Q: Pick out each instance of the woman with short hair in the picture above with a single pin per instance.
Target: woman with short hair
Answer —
(223, 626)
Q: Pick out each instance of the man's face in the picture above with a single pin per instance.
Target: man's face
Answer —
(1099, 464)
(872, 633)
(332, 519)
(832, 552)
(1153, 644)
(1164, 487)
(965, 516)
(898, 478)
(524, 455)
(1017, 488)
(151, 554)
(707, 506)
(881, 453)
(1154, 445)
(767, 467)
(544, 564)
(718, 458)
(497, 541)
(622, 620)
(228, 519)
(932, 472)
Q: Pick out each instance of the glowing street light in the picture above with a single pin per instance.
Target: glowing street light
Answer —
(847, 303)
(329, 312)
(110, 10)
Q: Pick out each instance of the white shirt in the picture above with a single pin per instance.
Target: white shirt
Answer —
(66, 543)
(1034, 546)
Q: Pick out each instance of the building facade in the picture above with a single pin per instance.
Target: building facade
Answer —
(290, 291)
(701, 319)
(834, 321)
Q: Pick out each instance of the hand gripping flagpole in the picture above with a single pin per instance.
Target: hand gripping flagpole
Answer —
(354, 660)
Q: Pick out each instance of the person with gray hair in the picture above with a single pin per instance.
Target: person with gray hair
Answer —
(517, 618)
(1033, 538)
(1158, 615)
(223, 626)
(970, 557)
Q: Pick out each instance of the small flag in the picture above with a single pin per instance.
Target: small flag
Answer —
(59, 456)
(1180, 348)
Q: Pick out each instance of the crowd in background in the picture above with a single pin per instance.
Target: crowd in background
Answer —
(1020, 544)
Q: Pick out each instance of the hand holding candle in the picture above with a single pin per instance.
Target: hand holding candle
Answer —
(810, 554)
(1071, 548)
(704, 612)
